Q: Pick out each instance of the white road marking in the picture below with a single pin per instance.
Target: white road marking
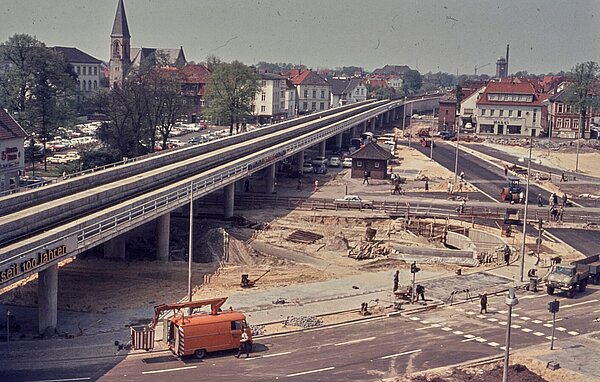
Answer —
(447, 329)
(503, 323)
(536, 321)
(481, 316)
(480, 340)
(548, 325)
(524, 318)
(414, 318)
(492, 319)
(527, 330)
(310, 371)
(539, 334)
(494, 344)
(536, 296)
(579, 303)
(435, 325)
(64, 380)
(470, 313)
(486, 194)
(399, 354)
(573, 333)
(458, 332)
(504, 348)
(425, 327)
(425, 322)
(561, 329)
(469, 336)
(268, 356)
(550, 338)
(515, 326)
(514, 315)
(168, 370)
(502, 311)
(355, 341)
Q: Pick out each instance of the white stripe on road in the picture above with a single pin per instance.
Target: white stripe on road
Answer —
(480, 340)
(414, 318)
(550, 338)
(525, 318)
(550, 321)
(492, 319)
(470, 339)
(561, 329)
(548, 325)
(268, 356)
(64, 380)
(310, 371)
(469, 336)
(168, 370)
(539, 334)
(536, 321)
(399, 354)
(515, 326)
(526, 330)
(447, 329)
(494, 344)
(355, 341)
(458, 332)
(579, 303)
(573, 333)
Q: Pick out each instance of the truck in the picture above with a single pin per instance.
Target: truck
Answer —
(574, 276)
(195, 333)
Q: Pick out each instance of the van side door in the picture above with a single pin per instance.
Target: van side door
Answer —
(236, 333)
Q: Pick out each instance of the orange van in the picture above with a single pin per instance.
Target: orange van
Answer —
(198, 334)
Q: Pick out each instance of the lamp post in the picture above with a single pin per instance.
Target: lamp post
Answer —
(432, 128)
(457, 148)
(410, 124)
(511, 300)
(522, 259)
(190, 243)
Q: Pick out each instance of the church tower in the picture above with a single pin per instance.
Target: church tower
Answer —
(120, 51)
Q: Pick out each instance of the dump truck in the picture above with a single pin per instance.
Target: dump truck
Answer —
(574, 276)
(197, 333)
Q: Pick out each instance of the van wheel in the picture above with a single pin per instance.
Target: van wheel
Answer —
(550, 290)
(200, 353)
(582, 286)
(571, 292)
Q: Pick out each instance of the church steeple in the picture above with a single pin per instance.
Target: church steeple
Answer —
(120, 59)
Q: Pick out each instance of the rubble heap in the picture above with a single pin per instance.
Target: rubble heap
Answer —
(303, 321)
(369, 250)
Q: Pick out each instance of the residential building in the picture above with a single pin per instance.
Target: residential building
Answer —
(12, 152)
(291, 104)
(87, 68)
(347, 90)
(509, 107)
(123, 57)
(395, 81)
(194, 80)
(564, 120)
(447, 114)
(372, 158)
(312, 91)
(468, 106)
(269, 102)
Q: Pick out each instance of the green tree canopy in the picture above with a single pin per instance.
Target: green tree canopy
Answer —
(584, 92)
(412, 82)
(230, 93)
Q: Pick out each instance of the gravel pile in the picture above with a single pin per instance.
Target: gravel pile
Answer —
(257, 330)
(304, 321)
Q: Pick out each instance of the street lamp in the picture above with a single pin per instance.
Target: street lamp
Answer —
(522, 260)
(190, 243)
(511, 300)
(456, 122)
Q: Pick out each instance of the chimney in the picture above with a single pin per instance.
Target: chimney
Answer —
(507, 46)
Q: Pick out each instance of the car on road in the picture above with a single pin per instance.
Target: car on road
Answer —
(322, 169)
(307, 168)
(335, 162)
(447, 135)
(353, 201)
(347, 163)
(195, 140)
(318, 161)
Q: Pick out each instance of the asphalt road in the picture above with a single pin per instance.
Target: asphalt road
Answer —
(486, 177)
(585, 241)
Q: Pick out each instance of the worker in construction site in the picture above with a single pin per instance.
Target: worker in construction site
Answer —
(396, 278)
(244, 345)
(420, 292)
(483, 301)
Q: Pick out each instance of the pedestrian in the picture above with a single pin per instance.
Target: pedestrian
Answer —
(420, 292)
(506, 254)
(505, 170)
(564, 200)
(397, 189)
(244, 348)
(554, 213)
(540, 201)
(532, 273)
(449, 187)
(316, 185)
(247, 185)
(366, 177)
(426, 184)
(560, 213)
(460, 186)
(461, 206)
(299, 187)
(396, 277)
(483, 303)
(554, 199)
(462, 176)
(562, 177)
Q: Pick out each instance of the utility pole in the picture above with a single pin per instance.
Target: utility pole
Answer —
(190, 243)
(432, 127)
(522, 260)
(511, 300)
(410, 124)
(457, 150)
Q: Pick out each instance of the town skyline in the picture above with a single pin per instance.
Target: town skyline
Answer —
(428, 36)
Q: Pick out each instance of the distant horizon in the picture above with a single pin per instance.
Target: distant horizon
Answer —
(429, 36)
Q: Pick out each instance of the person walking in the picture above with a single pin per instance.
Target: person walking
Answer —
(451, 188)
(247, 185)
(420, 292)
(244, 345)
(462, 176)
(316, 185)
(554, 199)
(460, 186)
(299, 187)
(396, 277)
(554, 213)
(426, 184)
(561, 211)
(562, 177)
(540, 201)
(366, 177)
(483, 303)
(564, 200)
(505, 170)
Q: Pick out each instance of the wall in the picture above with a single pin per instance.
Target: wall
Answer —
(12, 159)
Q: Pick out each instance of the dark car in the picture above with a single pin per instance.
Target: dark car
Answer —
(447, 135)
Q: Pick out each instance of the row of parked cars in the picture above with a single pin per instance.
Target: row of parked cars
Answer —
(319, 165)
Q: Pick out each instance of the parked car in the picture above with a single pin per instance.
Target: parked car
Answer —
(318, 161)
(72, 156)
(347, 162)
(58, 159)
(353, 201)
(307, 168)
(335, 162)
(447, 135)
(322, 169)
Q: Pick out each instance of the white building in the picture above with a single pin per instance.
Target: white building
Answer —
(395, 81)
(12, 152)
(313, 92)
(275, 100)
(85, 66)
(345, 91)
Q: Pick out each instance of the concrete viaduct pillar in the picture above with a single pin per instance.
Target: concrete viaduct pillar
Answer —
(387, 117)
(163, 228)
(338, 141)
(300, 161)
(322, 148)
(115, 248)
(48, 299)
(354, 131)
(270, 179)
(229, 201)
(373, 124)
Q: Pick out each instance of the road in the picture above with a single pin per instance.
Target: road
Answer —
(585, 241)
(365, 350)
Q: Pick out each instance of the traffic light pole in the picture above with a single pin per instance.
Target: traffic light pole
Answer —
(412, 291)
(553, 326)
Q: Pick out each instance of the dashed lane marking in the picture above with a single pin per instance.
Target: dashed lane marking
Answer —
(492, 319)
(579, 303)
(469, 336)
(526, 330)
(515, 326)
(573, 333)
(400, 354)
(414, 318)
(536, 321)
(355, 341)
(514, 315)
(480, 340)
(494, 344)
(169, 370)
(470, 313)
(268, 356)
(550, 338)
(548, 325)
(539, 334)
(561, 329)
(550, 321)
(425, 322)
(425, 327)
(447, 329)
(503, 323)
(458, 332)
(524, 318)
(470, 339)
(310, 371)
(481, 316)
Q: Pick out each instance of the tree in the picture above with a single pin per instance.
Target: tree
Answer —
(230, 93)
(38, 86)
(411, 82)
(583, 93)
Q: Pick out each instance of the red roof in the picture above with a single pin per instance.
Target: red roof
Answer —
(308, 77)
(510, 87)
(195, 74)
(9, 128)
(378, 83)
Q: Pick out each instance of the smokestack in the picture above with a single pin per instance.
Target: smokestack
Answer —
(507, 46)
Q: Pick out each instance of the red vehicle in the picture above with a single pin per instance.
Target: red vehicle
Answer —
(424, 133)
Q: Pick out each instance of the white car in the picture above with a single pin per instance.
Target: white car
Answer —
(319, 161)
(307, 168)
(335, 162)
(58, 159)
(347, 162)
(356, 201)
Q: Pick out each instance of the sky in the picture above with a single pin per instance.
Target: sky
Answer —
(429, 35)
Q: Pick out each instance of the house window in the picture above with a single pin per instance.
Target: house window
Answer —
(322, 93)
(486, 129)
(305, 105)
(576, 124)
(492, 113)
(518, 113)
(263, 108)
(89, 84)
(84, 70)
(358, 163)
(322, 105)
(559, 123)
(560, 107)
(313, 106)
(514, 129)
(376, 164)
(510, 113)
(83, 82)
(567, 123)
(79, 70)
(501, 113)
(468, 112)
(482, 112)
(95, 70)
(305, 93)
(569, 108)
(534, 115)
(263, 96)
(314, 94)
(95, 84)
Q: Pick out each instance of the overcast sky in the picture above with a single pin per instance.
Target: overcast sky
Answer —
(430, 35)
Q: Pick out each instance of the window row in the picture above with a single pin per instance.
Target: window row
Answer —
(87, 85)
(314, 93)
(567, 123)
(87, 70)
(313, 106)
(501, 113)
(510, 97)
